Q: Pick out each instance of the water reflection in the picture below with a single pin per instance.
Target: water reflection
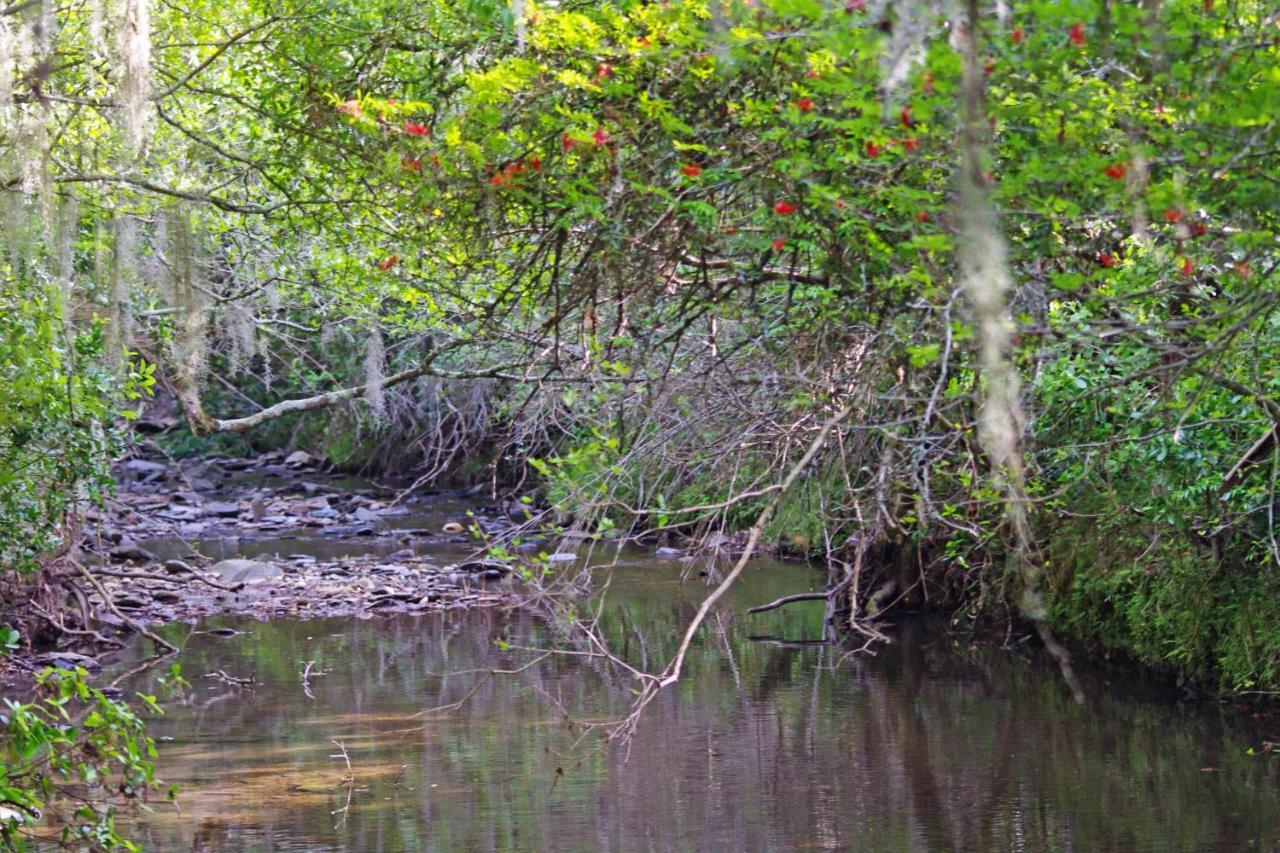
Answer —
(763, 745)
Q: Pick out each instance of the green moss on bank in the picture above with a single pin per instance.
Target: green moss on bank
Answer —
(1167, 605)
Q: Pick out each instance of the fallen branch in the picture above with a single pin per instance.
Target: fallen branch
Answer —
(74, 632)
(231, 679)
(128, 620)
(204, 424)
(789, 599)
(671, 674)
(168, 579)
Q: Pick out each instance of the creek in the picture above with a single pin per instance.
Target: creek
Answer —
(771, 741)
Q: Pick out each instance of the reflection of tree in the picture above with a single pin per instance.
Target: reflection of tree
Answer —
(758, 748)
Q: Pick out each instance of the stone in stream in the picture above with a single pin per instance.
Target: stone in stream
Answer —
(222, 509)
(667, 553)
(246, 571)
(366, 515)
(177, 567)
(179, 513)
(562, 557)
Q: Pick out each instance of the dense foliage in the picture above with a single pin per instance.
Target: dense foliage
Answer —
(641, 252)
(77, 751)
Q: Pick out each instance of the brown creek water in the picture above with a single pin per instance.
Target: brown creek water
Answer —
(769, 742)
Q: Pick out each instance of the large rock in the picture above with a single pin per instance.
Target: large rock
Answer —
(300, 459)
(366, 515)
(246, 571)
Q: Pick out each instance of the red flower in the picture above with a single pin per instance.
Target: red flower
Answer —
(784, 208)
(1187, 267)
(988, 67)
(691, 170)
(730, 230)
(840, 205)
(926, 84)
(922, 216)
(910, 144)
(412, 164)
(811, 74)
(1173, 215)
(414, 128)
(1106, 259)
(804, 105)
(535, 163)
(603, 71)
(873, 150)
(1243, 269)
(498, 180)
(1200, 229)
(389, 263)
(644, 41)
(905, 117)
(1115, 171)
(1017, 35)
(779, 244)
(567, 141)
(1076, 34)
(600, 136)
(351, 108)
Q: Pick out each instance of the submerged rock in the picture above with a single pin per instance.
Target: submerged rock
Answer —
(483, 567)
(68, 660)
(131, 553)
(246, 571)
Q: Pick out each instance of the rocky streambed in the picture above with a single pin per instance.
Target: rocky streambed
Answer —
(278, 536)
